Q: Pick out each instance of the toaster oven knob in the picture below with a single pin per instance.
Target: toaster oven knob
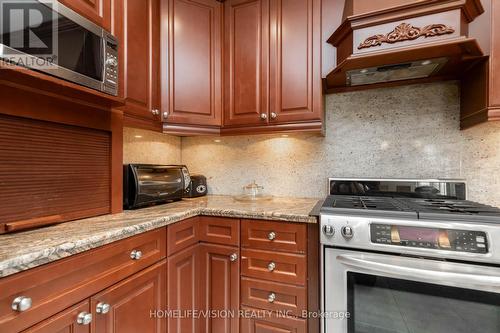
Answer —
(328, 230)
(347, 232)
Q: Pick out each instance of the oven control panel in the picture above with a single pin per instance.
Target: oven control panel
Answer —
(431, 238)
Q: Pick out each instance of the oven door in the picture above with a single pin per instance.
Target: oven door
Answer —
(384, 293)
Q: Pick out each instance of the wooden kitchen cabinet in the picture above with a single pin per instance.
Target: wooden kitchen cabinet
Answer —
(295, 65)
(64, 322)
(246, 62)
(56, 286)
(183, 290)
(273, 66)
(125, 307)
(97, 11)
(136, 25)
(220, 283)
(191, 65)
(480, 89)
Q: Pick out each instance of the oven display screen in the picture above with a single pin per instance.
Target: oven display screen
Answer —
(431, 238)
(412, 234)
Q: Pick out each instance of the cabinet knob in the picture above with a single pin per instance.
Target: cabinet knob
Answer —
(21, 303)
(102, 308)
(271, 236)
(136, 255)
(271, 267)
(233, 257)
(263, 116)
(271, 298)
(165, 114)
(84, 318)
(274, 115)
(155, 112)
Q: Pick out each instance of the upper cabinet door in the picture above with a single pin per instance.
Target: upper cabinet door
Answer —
(246, 62)
(136, 24)
(126, 307)
(98, 11)
(296, 91)
(192, 61)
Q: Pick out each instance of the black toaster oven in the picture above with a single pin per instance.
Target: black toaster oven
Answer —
(148, 184)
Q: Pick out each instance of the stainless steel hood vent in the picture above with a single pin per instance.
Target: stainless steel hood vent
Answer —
(388, 73)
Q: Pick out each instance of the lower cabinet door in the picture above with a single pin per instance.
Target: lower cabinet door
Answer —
(220, 284)
(257, 321)
(183, 291)
(130, 306)
(72, 320)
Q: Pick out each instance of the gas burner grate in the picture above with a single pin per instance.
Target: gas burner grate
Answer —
(368, 203)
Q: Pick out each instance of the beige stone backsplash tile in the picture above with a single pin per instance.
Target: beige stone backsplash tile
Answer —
(410, 131)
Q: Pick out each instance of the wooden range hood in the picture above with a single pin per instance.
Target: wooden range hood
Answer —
(394, 42)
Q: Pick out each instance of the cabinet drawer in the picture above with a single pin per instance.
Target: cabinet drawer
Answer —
(277, 236)
(56, 286)
(273, 296)
(182, 235)
(252, 323)
(218, 230)
(275, 266)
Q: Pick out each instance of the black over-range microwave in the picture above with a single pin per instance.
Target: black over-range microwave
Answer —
(49, 37)
(146, 184)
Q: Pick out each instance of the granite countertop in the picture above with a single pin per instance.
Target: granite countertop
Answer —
(25, 250)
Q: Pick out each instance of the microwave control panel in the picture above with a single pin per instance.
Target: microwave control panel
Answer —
(430, 238)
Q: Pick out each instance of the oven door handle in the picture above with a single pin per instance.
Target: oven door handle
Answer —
(468, 276)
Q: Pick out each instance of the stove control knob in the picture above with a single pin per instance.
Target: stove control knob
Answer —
(347, 232)
(328, 230)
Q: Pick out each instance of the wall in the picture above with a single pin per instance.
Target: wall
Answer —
(148, 147)
(410, 131)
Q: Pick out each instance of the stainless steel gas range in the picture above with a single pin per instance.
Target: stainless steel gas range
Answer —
(408, 256)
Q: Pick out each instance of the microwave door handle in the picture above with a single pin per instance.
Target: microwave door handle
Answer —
(425, 270)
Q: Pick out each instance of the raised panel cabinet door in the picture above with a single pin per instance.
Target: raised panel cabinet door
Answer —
(192, 61)
(136, 25)
(251, 323)
(65, 321)
(183, 290)
(97, 11)
(246, 62)
(220, 283)
(295, 63)
(129, 306)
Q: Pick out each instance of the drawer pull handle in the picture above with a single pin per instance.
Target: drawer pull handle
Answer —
(271, 267)
(271, 236)
(102, 308)
(84, 318)
(233, 257)
(271, 297)
(21, 303)
(136, 255)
